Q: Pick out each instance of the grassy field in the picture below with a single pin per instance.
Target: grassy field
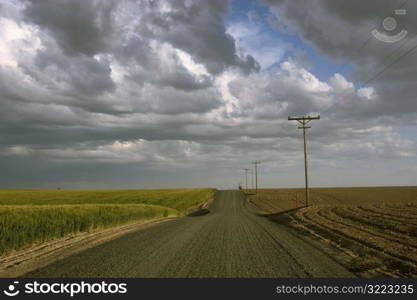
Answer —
(35, 216)
(375, 227)
(179, 199)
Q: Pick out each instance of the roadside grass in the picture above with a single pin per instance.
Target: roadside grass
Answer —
(36, 216)
(22, 225)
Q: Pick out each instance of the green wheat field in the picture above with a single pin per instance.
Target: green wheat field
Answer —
(35, 216)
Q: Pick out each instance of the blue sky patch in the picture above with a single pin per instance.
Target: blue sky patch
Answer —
(248, 23)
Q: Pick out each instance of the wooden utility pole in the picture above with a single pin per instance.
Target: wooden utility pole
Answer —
(246, 176)
(252, 178)
(256, 163)
(304, 121)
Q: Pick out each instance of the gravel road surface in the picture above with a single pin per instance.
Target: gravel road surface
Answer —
(230, 241)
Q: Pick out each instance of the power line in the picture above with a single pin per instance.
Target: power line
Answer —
(405, 42)
(390, 65)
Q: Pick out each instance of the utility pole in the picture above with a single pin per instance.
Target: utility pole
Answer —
(252, 175)
(256, 163)
(246, 176)
(304, 121)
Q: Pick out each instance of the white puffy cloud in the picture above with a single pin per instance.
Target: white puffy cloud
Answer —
(251, 38)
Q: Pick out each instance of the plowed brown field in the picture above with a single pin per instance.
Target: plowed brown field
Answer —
(376, 228)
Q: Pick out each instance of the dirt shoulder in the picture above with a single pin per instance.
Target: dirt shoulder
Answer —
(29, 259)
(202, 208)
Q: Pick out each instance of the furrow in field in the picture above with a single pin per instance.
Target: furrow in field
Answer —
(374, 232)
(326, 232)
(406, 209)
(371, 239)
(383, 224)
(405, 213)
(384, 214)
(355, 240)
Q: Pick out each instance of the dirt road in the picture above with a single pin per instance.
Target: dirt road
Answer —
(230, 241)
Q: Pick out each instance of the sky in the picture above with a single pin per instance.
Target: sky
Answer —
(107, 94)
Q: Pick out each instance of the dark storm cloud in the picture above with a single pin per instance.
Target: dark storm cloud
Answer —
(91, 27)
(87, 76)
(83, 41)
(145, 65)
(338, 28)
(78, 26)
(198, 28)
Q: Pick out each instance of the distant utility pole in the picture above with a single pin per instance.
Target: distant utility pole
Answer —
(304, 121)
(246, 176)
(252, 175)
(256, 163)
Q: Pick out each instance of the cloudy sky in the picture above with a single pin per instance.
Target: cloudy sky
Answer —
(184, 93)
